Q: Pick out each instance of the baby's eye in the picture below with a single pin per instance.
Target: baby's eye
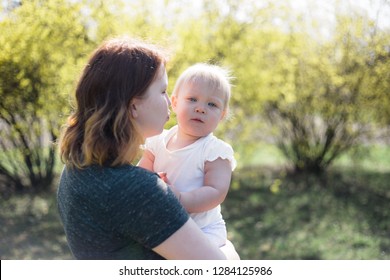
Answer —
(212, 104)
(192, 99)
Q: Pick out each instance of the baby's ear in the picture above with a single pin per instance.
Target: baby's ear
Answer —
(173, 102)
(224, 114)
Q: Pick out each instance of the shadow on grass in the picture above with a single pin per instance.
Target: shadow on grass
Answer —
(30, 229)
(343, 214)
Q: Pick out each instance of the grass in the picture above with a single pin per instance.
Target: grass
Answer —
(343, 215)
(30, 229)
(270, 214)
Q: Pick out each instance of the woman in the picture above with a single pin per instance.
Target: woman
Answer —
(109, 208)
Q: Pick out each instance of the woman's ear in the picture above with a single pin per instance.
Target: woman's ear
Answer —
(133, 109)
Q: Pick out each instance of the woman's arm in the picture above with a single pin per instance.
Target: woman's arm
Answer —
(216, 186)
(189, 243)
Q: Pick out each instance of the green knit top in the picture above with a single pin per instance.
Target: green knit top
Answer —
(117, 212)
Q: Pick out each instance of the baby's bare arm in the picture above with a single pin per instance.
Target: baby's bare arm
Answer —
(216, 186)
(147, 161)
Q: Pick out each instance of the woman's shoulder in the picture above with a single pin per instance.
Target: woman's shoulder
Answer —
(110, 176)
(135, 174)
(127, 181)
(141, 174)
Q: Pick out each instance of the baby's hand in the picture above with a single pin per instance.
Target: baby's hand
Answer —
(163, 176)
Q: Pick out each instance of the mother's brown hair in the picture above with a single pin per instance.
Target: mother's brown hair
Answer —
(101, 130)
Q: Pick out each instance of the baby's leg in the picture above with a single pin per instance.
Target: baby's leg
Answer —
(229, 251)
(216, 234)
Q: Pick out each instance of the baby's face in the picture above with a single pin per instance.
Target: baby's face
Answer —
(199, 108)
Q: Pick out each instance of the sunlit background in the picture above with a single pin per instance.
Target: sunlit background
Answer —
(310, 115)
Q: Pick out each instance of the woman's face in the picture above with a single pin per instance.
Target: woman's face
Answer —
(151, 112)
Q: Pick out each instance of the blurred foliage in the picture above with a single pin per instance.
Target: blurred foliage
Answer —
(340, 215)
(41, 44)
(334, 106)
(316, 96)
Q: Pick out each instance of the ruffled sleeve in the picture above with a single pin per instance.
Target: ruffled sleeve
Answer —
(151, 144)
(216, 148)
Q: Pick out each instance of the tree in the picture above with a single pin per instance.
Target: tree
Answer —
(336, 100)
(41, 42)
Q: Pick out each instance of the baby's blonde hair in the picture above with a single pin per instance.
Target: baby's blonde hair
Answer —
(216, 77)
